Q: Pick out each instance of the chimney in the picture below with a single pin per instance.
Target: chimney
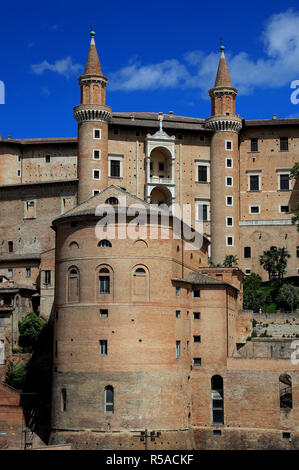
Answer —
(170, 113)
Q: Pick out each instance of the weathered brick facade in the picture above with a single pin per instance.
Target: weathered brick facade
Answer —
(146, 335)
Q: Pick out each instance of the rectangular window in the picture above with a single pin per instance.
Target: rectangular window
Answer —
(228, 145)
(97, 133)
(19, 173)
(96, 174)
(284, 144)
(10, 273)
(202, 173)
(97, 154)
(104, 313)
(19, 158)
(115, 168)
(66, 204)
(196, 315)
(29, 210)
(28, 272)
(254, 145)
(196, 339)
(229, 241)
(161, 166)
(228, 163)
(177, 291)
(47, 277)
(247, 271)
(254, 209)
(103, 347)
(178, 350)
(229, 221)
(196, 293)
(254, 183)
(247, 252)
(115, 131)
(197, 361)
(104, 284)
(178, 313)
(10, 247)
(284, 181)
(48, 158)
(228, 181)
(229, 200)
(203, 212)
(297, 251)
(284, 209)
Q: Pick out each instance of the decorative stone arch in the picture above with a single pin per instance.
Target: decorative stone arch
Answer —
(161, 195)
(73, 285)
(163, 144)
(140, 283)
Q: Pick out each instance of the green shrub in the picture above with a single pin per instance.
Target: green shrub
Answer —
(16, 374)
(30, 329)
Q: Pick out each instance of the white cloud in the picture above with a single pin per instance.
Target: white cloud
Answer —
(62, 67)
(167, 74)
(277, 65)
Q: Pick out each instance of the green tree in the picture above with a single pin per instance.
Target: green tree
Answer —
(230, 261)
(282, 260)
(268, 260)
(288, 296)
(275, 262)
(30, 329)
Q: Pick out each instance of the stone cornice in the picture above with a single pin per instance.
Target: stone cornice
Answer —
(224, 124)
(83, 113)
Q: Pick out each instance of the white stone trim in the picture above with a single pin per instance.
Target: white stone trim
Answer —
(265, 222)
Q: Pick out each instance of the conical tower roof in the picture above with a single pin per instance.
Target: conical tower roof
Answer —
(223, 76)
(93, 66)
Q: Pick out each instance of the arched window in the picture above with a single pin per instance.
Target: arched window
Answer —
(104, 281)
(112, 200)
(104, 244)
(285, 392)
(63, 399)
(73, 245)
(140, 282)
(140, 243)
(73, 285)
(109, 399)
(217, 399)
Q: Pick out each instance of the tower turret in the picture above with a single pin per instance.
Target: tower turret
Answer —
(92, 116)
(224, 165)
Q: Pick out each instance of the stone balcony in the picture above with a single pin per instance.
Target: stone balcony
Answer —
(158, 180)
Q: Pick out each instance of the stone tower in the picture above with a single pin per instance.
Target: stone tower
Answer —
(92, 116)
(224, 165)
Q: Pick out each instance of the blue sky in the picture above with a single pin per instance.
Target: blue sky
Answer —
(158, 56)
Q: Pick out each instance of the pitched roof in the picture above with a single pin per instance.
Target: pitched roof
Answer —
(197, 278)
(223, 76)
(89, 207)
(93, 66)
